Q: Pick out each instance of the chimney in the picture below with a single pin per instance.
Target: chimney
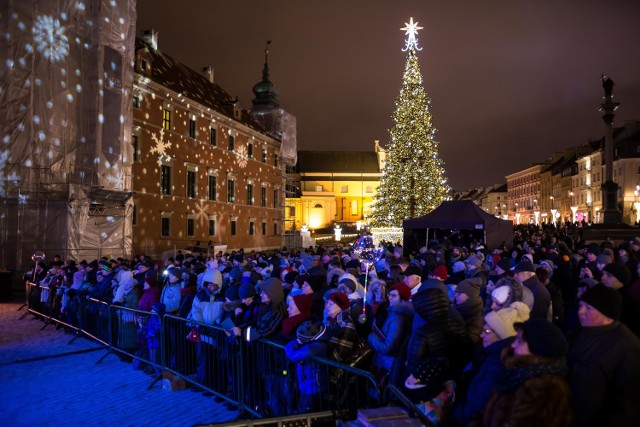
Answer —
(208, 73)
(151, 37)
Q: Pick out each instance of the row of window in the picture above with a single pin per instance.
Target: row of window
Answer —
(191, 227)
(344, 188)
(191, 190)
(213, 136)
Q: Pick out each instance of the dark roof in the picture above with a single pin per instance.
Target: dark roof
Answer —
(338, 162)
(179, 78)
(500, 189)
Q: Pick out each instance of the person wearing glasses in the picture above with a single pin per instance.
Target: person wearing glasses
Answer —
(497, 334)
(532, 390)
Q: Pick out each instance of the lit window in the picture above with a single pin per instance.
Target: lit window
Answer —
(166, 119)
(264, 155)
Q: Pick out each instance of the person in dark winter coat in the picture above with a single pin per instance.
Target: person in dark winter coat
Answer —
(312, 380)
(439, 335)
(340, 327)
(468, 303)
(150, 293)
(390, 341)
(497, 334)
(526, 273)
(604, 363)
(532, 390)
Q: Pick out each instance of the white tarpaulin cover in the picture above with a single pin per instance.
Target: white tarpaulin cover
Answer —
(65, 100)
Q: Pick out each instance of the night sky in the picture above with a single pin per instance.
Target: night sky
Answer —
(510, 81)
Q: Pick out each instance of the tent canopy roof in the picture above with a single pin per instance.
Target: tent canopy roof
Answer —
(454, 214)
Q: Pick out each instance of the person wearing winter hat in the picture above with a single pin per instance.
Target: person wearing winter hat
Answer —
(412, 277)
(150, 293)
(298, 310)
(507, 291)
(525, 272)
(313, 381)
(458, 273)
(497, 334)
(604, 363)
(615, 275)
(468, 303)
(404, 293)
(390, 336)
(532, 390)
(340, 327)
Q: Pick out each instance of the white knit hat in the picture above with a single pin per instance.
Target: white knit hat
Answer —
(501, 294)
(502, 321)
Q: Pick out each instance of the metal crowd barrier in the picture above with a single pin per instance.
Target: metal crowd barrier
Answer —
(255, 376)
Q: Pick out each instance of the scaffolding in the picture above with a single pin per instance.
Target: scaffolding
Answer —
(65, 156)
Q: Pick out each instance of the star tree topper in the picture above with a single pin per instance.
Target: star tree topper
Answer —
(411, 30)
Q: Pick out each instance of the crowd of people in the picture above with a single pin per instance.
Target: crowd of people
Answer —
(543, 332)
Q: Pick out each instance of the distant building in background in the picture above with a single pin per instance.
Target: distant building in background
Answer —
(207, 174)
(494, 201)
(334, 187)
(587, 197)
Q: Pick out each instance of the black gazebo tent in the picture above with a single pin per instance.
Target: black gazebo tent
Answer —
(457, 215)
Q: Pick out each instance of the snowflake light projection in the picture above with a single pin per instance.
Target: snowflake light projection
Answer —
(161, 146)
(117, 178)
(243, 158)
(50, 39)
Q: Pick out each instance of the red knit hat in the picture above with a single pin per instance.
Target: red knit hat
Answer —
(440, 272)
(304, 302)
(339, 299)
(403, 291)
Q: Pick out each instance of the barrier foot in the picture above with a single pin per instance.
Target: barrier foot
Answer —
(104, 356)
(155, 380)
(25, 314)
(46, 323)
(21, 307)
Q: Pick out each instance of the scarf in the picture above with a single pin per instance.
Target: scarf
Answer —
(512, 378)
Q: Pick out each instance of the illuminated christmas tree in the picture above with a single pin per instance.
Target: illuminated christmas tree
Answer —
(413, 180)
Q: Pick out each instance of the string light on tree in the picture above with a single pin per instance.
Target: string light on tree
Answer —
(413, 181)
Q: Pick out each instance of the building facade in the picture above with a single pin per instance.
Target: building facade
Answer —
(523, 189)
(205, 172)
(335, 187)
